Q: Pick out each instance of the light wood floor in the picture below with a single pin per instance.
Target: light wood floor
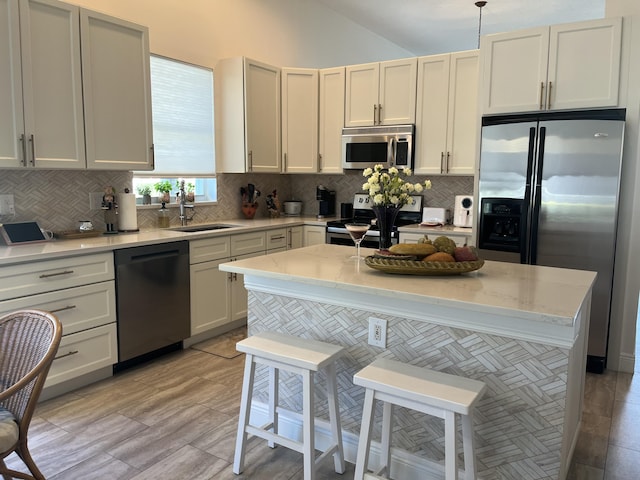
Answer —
(175, 418)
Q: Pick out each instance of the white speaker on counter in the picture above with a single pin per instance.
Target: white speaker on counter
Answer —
(463, 211)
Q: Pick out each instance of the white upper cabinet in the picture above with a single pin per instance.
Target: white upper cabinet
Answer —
(117, 93)
(299, 120)
(247, 98)
(41, 117)
(331, 120)
(561, 67)
(381, 93)
(447, 119)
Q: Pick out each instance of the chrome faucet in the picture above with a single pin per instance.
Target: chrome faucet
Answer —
(183, 206)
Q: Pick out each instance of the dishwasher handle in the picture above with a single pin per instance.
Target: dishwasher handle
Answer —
(148, 253)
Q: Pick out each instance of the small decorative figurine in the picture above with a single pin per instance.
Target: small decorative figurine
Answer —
(109, 205)
(273, 204)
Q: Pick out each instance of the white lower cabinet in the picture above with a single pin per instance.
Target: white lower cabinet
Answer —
(314, 235)
(219, 298)
(296, 237)
(80, 291)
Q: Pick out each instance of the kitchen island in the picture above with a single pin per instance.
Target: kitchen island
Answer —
(519, 328)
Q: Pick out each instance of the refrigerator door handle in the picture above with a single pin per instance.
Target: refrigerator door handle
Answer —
(537, 200)
(526, 204)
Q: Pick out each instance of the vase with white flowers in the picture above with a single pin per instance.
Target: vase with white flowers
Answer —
(389, 193)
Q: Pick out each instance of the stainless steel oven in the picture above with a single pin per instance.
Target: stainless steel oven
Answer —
(340, 236)
(337, 233)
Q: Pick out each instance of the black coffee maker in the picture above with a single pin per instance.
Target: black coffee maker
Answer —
(326, 202)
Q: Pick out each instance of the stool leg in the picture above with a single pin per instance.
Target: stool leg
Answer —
(385, 447)
(245, 410)
(468, 448)
(308, 427)
(334, 417)
(273, 401)
(364, 443)
(450, 454)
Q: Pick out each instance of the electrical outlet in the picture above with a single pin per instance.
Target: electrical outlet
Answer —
(7, 205)
(377, 332)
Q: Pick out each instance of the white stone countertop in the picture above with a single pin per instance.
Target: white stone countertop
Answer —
(551, 296)
(107, 242)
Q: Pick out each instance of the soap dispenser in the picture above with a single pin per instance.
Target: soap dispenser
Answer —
(163, 217)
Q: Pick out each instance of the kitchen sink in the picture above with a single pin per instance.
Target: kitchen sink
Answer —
(203, 228)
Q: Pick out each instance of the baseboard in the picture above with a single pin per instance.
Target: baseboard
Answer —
(626, 363)
(403, 464)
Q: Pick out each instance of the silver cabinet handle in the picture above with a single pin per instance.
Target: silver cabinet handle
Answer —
(441, 162)
(72, 352)
(541, 94)
(375, 109)
(33, 149)
(549, 96)
(62, 309)
(153, 155)
(379, 114)
(250, 160)
(285, 161)
(65, 272)
(279, 237)
(23, 142)
(446, 164)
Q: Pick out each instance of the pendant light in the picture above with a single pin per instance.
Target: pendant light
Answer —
(480, 4)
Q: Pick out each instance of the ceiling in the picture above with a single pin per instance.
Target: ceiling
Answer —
(426, 27)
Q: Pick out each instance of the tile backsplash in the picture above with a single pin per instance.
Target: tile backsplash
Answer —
(59, 199)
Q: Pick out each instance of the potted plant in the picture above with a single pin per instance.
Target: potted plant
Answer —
(164, 189)
(189, 190)
(145, 191)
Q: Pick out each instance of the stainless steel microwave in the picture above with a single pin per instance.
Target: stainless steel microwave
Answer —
(391, 146)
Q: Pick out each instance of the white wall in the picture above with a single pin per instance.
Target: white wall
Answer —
(622, 336)
(286, 33)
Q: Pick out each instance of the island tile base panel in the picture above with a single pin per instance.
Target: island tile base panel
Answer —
(518, 423)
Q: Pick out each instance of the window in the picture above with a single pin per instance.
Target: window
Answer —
(183, 131)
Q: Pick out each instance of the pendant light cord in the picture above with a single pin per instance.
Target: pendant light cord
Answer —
(480, 4)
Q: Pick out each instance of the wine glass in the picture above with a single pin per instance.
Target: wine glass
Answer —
(357, 232)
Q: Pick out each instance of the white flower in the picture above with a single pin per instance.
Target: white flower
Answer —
(387, 188)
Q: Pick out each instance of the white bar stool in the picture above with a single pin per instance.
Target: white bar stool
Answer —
(303, 357)
(434, 393)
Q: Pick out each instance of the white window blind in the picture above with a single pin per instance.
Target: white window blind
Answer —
(183, 131)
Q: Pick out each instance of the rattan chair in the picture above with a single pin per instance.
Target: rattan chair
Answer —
(29, 340)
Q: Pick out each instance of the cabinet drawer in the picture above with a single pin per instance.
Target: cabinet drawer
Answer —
(84, 352)
(47, 276)
(248, 243)
(209, 249)
(78, 308)
(277, 239)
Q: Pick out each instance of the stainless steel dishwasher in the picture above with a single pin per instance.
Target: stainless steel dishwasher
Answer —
(152, 300)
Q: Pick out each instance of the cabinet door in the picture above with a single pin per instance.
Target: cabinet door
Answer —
(295, 238)
(300, 120)
(117, 96)
(514, 70)
(463, 117)
(361, 94)
(52, 84)
(584, 64)
(331, 120)
(11, 111)
(431, 114)
(238, 292)
(314, 235)
(397, 94)
(262, 110)
(210, 296)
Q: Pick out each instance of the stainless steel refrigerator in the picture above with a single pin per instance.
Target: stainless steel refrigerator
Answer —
(548, 195)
